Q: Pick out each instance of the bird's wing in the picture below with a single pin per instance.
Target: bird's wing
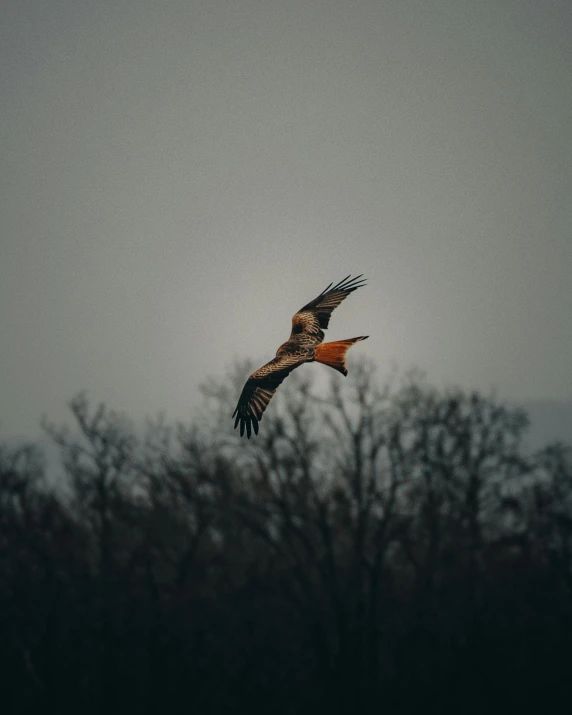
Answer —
(315, 315)
(259, 389)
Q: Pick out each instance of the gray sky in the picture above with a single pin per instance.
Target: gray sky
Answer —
(179, 178)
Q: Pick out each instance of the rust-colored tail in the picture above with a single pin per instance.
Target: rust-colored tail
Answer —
(334, 354)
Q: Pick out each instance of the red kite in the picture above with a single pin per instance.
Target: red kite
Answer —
(303, 345)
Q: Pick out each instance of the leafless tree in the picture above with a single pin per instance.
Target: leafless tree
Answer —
(376, 544)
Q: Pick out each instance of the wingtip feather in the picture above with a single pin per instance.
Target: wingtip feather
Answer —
(351, 284)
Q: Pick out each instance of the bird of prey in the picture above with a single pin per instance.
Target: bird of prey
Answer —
(303, 345)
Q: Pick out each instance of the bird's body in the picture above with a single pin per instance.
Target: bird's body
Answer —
(296, 347)
(304, 345)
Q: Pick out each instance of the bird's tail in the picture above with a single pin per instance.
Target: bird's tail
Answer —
(334, 354)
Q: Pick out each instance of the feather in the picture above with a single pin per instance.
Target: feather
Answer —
(302, 346)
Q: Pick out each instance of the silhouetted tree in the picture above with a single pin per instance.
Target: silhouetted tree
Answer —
(375, 547)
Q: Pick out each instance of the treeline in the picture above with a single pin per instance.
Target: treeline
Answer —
(387, 549)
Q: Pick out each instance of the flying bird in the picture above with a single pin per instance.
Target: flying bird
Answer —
(303, 345)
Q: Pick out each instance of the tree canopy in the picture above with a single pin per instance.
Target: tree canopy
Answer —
(386, 547)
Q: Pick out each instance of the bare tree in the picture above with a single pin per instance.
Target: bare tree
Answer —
(375, 544)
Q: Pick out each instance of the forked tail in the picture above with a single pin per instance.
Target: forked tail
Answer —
(334, 354)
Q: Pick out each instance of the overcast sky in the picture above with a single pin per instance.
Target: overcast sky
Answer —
(178, 178)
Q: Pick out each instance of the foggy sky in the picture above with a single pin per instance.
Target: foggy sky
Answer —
(179, 178)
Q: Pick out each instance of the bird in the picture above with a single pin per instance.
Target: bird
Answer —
(304, 345)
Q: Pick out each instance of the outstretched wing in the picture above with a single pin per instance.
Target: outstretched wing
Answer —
(259, 389)
(315, 316)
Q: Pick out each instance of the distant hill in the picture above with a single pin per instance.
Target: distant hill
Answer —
(550, 421)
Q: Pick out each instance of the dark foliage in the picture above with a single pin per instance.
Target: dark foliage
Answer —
(376, 550)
